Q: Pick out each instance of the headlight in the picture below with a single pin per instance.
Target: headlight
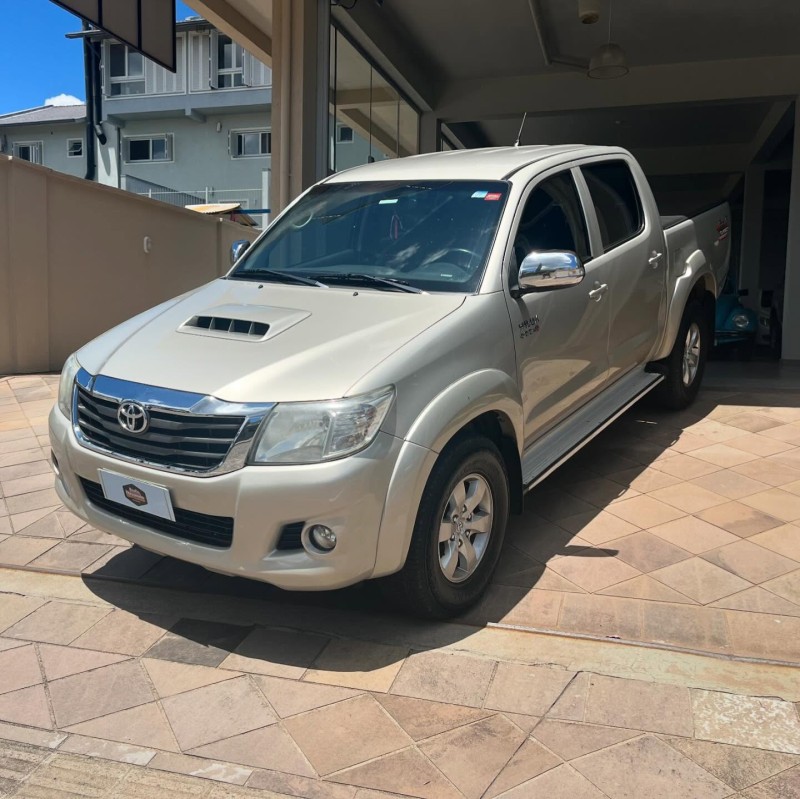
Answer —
(741, 321)
(66, 385)
(311, 432)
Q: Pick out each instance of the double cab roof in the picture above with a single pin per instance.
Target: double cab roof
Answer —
(493, 163)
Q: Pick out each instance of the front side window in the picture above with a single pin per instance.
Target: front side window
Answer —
(428, 235)
(148, 148)
(126, 71)
(29, 151)
(230, 63)
(552, 220)
(75, 148)
(616, 201)
(248, 143)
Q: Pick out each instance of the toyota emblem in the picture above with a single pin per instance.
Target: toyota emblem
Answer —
(133, 417)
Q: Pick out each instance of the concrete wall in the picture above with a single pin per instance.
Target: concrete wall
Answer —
(201, 154)
(54, 144)
(72, 261)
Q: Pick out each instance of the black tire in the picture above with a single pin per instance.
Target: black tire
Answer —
(673, 392)
(421, 587)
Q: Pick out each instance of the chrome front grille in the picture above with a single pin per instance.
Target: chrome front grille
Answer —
(186, 433)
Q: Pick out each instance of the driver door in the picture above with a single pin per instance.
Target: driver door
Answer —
(561, 335)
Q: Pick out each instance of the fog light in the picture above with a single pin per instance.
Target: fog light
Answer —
(322, 537)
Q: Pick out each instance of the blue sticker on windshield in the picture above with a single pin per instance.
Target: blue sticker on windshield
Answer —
(479, 195)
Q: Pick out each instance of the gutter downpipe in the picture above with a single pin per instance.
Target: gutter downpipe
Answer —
(284, 166)
(88, 70)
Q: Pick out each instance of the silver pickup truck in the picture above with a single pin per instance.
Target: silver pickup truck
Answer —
(385, 372)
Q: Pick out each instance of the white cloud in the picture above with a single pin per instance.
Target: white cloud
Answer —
(63, 99)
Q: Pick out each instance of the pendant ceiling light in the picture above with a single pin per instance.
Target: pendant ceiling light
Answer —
(608, 60)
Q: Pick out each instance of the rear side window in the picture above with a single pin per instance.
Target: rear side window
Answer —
(552, 220)
(616, 201)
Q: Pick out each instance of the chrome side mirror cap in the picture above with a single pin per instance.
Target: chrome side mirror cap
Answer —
(543, 270)
(238, 249)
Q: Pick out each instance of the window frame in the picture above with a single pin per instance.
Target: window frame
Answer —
(239, 131)
(37, 145)
(170, 148)
(602, 249)
(70, 142)
(127, 78)
(232, 71)
(570, 170)
(341, 126)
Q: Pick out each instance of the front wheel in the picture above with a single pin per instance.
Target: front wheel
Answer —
(687, 361)
(458, 532)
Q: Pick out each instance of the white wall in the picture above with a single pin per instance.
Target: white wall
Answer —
(54, 144)
(201, 155)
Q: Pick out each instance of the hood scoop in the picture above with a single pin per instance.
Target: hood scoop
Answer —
(243, 322)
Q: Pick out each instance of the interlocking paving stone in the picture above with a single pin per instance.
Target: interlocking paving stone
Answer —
(407, 772)
(737, 766)
(144, 725)
(202, 643)
(338, 736)
(57, 622)
(781, 786)
(750, 561)
(638, 705)
(13, 608)
(530, 690)
(20, 550)
(593, 569)
(686, 625)
(570, 740)
(597, 615)
(645, 587)
(700, 580)
(107, 750)
(562, 782)
(529, 761)
(229, 708)
(19, 668)
(740, 519)
(176, 678)
(279, 653)
(648, 767)
(647, 552)
(471, 757)
(70, 556)
(64, 661)
(445, 678)
(785, 540)
(125, 633)
(26, 706)
(289, 697)
(17, 761)
(423, 719)
(759, 600)
(268, 748)
(746, 721)
(357, 664)
(787, 586)
(302, 787)
(68, 776)
(199, 767)
(97, 693)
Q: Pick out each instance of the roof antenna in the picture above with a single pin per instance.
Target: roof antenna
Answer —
(519, 135)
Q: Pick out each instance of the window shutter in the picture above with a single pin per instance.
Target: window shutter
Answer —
(213, 60)
(105, 69)
(249, 69)
(168, 147)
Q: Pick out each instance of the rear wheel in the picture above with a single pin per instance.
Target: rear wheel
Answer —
(687, 361)
(458, 532)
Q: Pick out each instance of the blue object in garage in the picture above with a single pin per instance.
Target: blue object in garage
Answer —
(734, 323)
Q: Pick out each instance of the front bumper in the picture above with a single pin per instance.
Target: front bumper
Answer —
(347, 495)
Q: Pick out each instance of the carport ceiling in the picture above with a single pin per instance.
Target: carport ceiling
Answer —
(475, 38)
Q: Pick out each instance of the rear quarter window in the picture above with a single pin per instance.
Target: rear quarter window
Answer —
(616, 201)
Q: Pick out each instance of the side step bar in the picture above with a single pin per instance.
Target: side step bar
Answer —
(556, 446)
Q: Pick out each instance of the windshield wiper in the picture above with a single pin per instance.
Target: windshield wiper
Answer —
(390, 282)
(285, 277)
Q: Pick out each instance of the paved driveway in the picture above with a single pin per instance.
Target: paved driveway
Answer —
(163, 680)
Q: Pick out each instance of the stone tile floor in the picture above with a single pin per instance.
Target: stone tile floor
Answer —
(681, 529)
(673, 530)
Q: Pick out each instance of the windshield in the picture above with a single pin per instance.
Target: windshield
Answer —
(430, 235)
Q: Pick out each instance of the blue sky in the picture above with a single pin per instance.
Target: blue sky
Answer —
(29, 79)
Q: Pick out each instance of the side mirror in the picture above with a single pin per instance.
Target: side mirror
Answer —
(238, 249)
(542, 270)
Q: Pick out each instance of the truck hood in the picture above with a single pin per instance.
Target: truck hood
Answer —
(245, 342)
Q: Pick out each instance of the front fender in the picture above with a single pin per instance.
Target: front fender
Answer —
(447, 414)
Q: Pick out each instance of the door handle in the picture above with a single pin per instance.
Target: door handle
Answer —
(598, 291)
(655, 259)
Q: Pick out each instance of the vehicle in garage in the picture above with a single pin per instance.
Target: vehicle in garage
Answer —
(735, 326)
(406, 350)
